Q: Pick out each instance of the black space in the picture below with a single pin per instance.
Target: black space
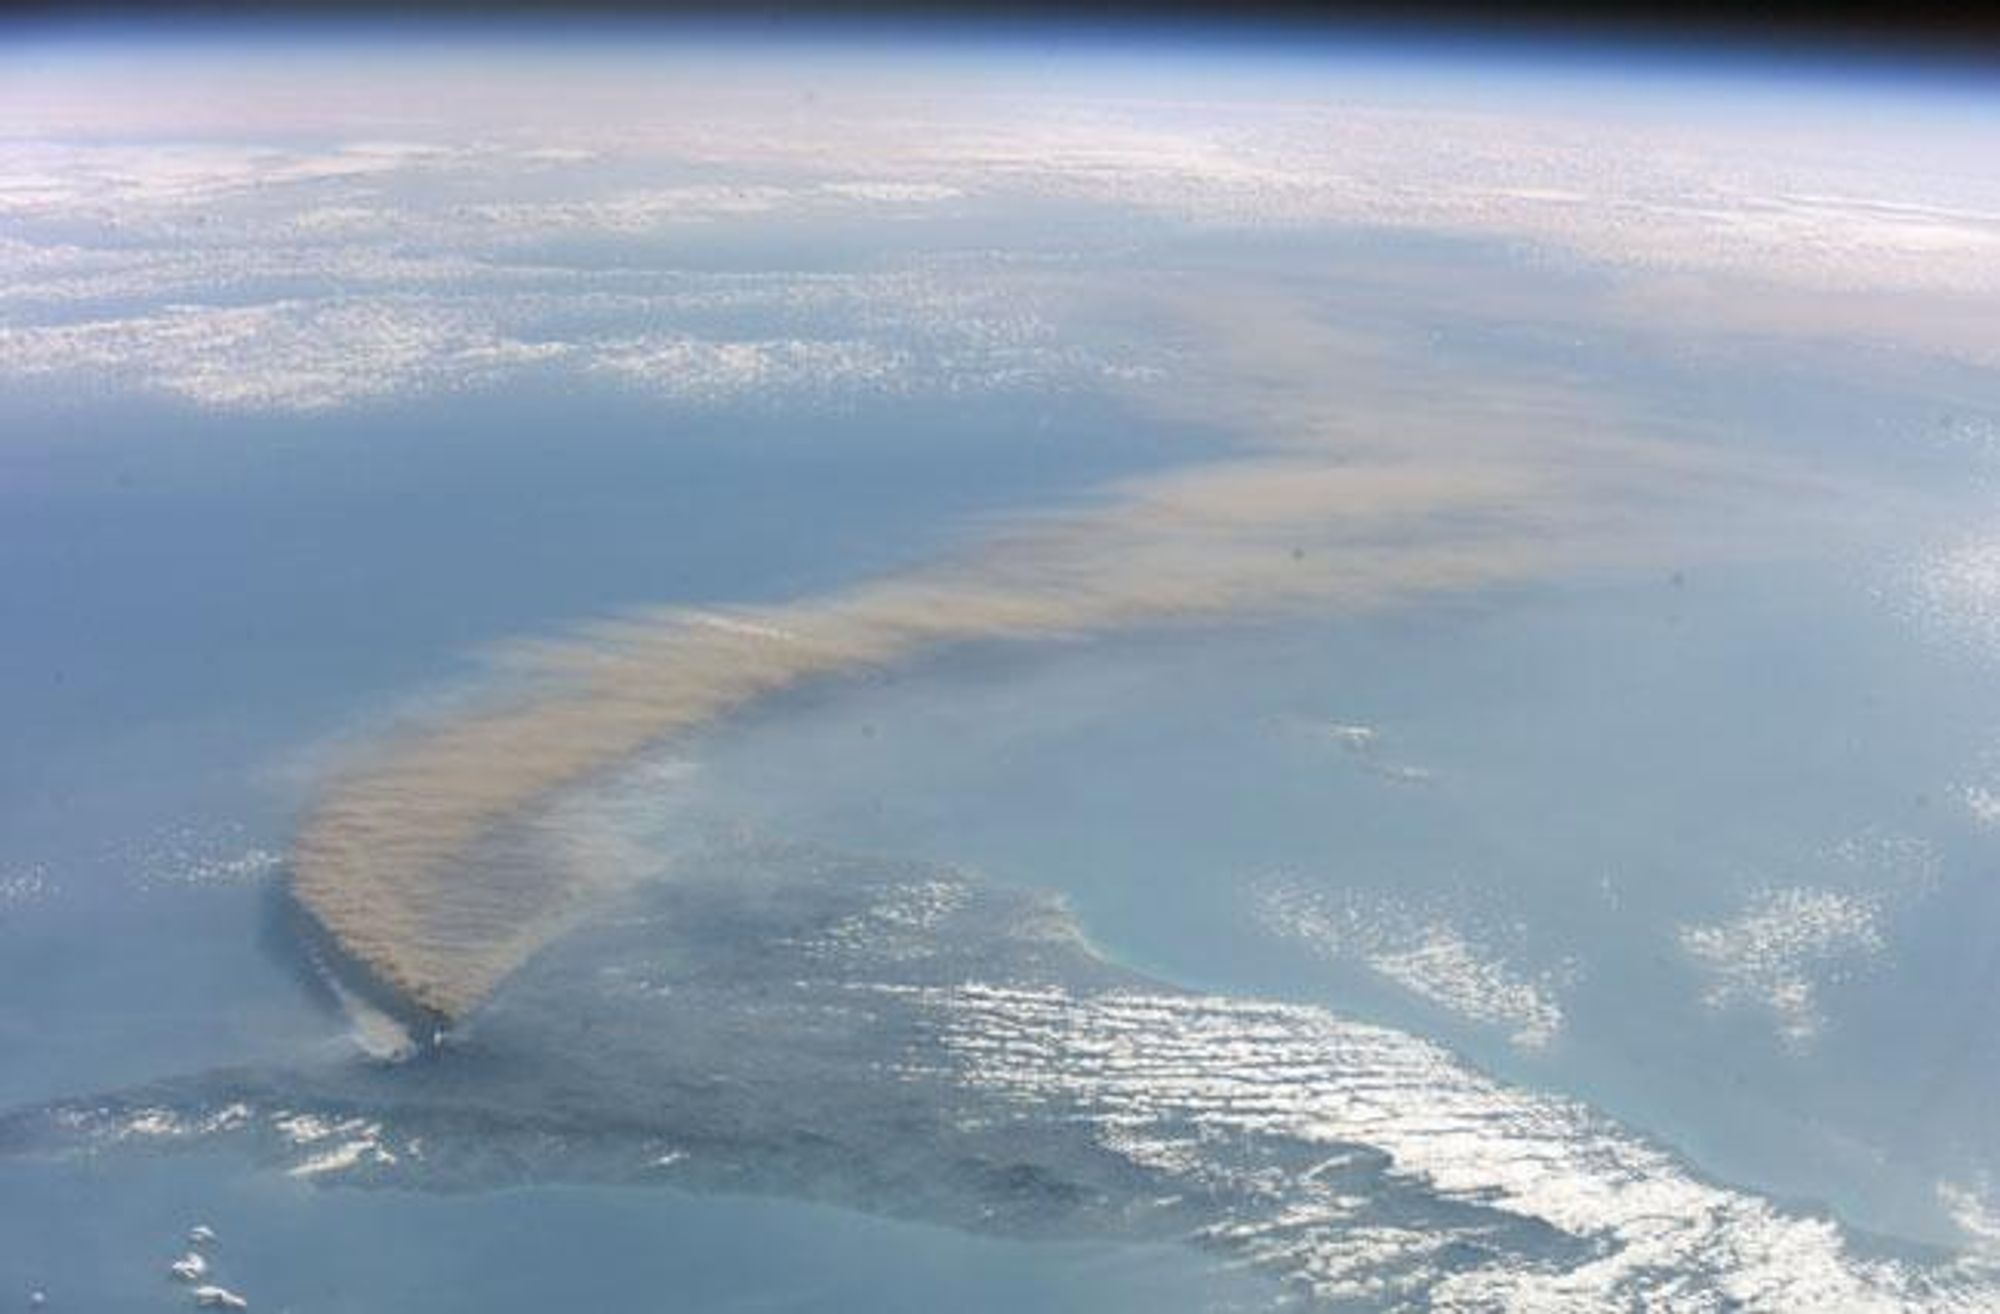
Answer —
(1966, 31)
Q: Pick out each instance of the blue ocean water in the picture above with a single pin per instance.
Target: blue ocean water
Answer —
(91, 1238)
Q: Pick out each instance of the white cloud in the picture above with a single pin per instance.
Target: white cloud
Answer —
(623, 213)
(132, 234)
(894, 193)
(408, 323)
(22, 883)
(1975, 1210)
(43, 177)
(1982, 803)
(698, 370)
(1777, 951)
(1426, 952)
(287, 356)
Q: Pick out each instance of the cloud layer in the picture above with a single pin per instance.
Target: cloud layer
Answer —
(148, 240)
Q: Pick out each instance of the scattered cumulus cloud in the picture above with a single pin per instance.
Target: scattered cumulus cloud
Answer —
(24, 883)
(1790, 939)
(240, 273)
(1975, 1209)
(197, 857)
(251, 277)
(1982, 803)
(336, 304)
(288, 355)
(697, 369)
(303, 354)
(1428, 952)
(1777, 952)
(1957, 591)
